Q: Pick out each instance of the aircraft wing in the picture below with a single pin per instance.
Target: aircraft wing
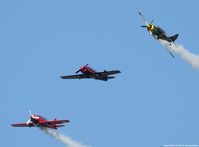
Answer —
(23, 125)
(78, 76)
(107, 73)
(53, 122)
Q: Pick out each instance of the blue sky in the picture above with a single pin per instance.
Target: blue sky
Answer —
(154, 101)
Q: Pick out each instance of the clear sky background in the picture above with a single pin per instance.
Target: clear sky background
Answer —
(153, 102)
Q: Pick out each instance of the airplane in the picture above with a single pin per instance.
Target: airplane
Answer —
(39, 121)
(157, 32)
(88, 72)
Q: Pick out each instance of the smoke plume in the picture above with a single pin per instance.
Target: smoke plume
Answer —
(191, 58)
(62, 138)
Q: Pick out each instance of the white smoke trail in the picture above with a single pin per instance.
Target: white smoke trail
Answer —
(191, 58)
(61, 137)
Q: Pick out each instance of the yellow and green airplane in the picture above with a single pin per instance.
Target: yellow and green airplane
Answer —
(157, 32)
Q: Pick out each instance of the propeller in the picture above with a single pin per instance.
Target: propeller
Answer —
(143, 18)
(80, 69)
(147, 24)
(29, 119)
(151, 22)
(30, 112)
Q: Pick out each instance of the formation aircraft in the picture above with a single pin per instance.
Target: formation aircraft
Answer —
(89, 72)
(39, 121)
(157, 32)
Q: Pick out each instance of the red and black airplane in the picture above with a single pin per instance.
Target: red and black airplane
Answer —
(88, 72)
(39, 121)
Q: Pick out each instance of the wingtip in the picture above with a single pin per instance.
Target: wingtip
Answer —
(67, 121)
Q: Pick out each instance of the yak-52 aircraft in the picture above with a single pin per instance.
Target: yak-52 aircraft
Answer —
(39, 121)
(157, 32)
(88, 72)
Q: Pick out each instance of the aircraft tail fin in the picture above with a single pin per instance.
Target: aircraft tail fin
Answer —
(174, 37)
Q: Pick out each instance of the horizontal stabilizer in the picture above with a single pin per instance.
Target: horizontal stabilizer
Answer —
(174, 37)
(111, 77)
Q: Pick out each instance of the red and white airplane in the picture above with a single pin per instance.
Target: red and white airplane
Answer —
(39, 121)
(88, 72)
